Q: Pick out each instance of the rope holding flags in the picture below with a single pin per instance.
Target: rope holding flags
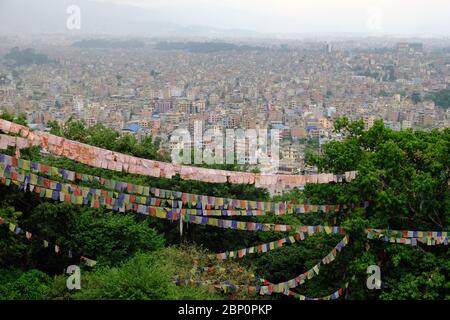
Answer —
(107, 159)
(203, 203)
(96, 198)
(268, 288)
(408, 233)
(334, 296)
(260, 248)
(228, 287)
(430, 238)
(121, 202)
(45, 243)
(256, 226)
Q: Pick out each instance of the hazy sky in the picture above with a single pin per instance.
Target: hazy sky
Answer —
(360, 16)
(380, 17)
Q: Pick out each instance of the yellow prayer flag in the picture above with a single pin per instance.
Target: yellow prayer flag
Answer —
(291, 283)
(33, 179)
(85, 191)
(159, 212)
(316, 269)
(26, 165)
(91, 263)
(54, 171)
(345, 239)
(48, 193)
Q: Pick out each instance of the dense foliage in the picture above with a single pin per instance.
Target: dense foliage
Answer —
(26, 56)
(103, 137)
(205, 47)
(441, 98)
(405, 176)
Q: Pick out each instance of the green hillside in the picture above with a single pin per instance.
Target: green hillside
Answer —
(403, 176)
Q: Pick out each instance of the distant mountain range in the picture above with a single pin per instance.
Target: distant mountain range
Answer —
(205, 47)
(166, 21)
(108, 43)
(50, 16)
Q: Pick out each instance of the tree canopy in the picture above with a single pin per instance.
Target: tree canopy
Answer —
(404, 175)
(441, 98)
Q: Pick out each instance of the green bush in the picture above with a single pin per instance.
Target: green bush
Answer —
(144, 277)
(30, 285)
(108, 237)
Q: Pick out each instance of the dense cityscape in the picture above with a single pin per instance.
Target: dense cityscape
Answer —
(148, 87)
(255, 152)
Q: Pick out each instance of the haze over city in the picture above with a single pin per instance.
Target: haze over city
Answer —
(236, 18)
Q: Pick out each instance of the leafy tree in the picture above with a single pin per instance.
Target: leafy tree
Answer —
(103, 137)
(405, 177)
(344, 125)
(21, 119)
(12, 249)
(441, 98)
(55, 128)
(75, 130)
(142, 277)
(30, 285)
(26, 56)
(100, 136)
(108, 238)
(416, 97)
